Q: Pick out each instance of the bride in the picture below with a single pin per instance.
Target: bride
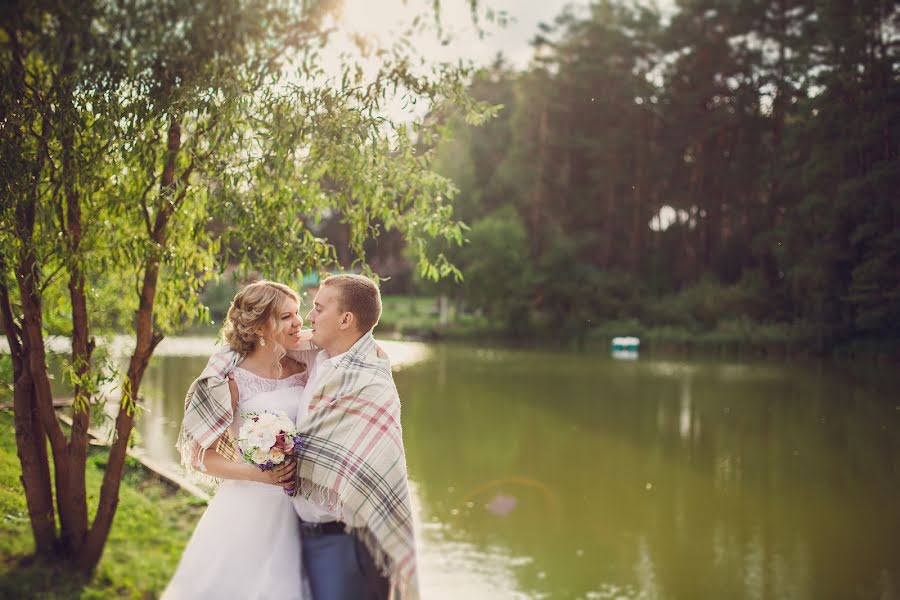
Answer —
(247, 543)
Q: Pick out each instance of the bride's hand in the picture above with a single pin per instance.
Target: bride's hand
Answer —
(282, 475)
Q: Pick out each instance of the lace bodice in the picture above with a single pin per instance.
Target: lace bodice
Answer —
(250, 385)
(255, 517)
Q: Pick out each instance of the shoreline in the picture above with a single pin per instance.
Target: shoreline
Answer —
(407, 346)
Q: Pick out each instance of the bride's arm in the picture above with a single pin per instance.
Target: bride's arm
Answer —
(218, 466)
(306, 352)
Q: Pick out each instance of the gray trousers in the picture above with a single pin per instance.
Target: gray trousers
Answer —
(339, 567)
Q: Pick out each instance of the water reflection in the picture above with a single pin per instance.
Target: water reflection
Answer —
(576, 476)
(683, 480)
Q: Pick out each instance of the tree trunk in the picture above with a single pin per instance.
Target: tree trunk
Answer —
(537, 200)
(776, 171)
(609, 221)
(343, 245)
(146, 341)
(36, 362)
(33, 352)
(82, 348)
(638, 217)
(74, 501)
(31, 444)
(697, 234)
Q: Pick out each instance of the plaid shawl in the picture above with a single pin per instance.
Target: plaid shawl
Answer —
(353, 460)
(208, 411)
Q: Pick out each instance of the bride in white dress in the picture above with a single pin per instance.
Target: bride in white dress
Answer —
(247, 544)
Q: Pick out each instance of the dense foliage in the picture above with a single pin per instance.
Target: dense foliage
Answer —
(148, 146)
(729, 161)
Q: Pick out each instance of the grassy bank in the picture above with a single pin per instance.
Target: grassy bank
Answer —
(152, 525)
(418, 317)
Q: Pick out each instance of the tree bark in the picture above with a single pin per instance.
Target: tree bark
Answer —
(146, 341)
(537, 200)
(780, 103)
(36, 361)
(82, 347)
(638, 217)
(27, 276)
(608, 249)
(31, 443)
(72, 501)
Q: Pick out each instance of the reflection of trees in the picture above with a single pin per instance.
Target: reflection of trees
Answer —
(750, 482)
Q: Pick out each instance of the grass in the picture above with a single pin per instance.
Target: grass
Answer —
(418, 316)
(152, 526)
(730, 337)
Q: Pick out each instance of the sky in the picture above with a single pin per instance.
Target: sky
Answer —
(380, 22)
(377, 17)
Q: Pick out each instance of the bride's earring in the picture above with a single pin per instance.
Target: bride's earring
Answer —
(262, 341)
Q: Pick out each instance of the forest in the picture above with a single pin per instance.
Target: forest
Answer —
(729, 169)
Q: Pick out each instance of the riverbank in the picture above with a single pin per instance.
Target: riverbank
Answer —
(414, 317)
(153, 523)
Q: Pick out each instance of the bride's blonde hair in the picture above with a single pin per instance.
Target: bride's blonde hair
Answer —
(256, 305)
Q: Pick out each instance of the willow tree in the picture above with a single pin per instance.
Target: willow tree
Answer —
(147, 145)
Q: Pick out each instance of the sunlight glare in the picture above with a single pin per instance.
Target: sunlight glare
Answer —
(373, 20)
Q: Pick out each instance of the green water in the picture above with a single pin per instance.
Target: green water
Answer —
(561, 475)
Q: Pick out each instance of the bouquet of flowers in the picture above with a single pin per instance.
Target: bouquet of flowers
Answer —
(267, 439)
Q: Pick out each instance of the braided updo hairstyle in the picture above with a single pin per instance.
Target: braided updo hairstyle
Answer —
(255, 306)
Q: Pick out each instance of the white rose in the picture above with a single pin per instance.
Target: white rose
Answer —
(267, 420)
(260, 456)
(262, 439)
(276, 456)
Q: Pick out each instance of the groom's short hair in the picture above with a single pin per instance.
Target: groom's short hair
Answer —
(360, 296)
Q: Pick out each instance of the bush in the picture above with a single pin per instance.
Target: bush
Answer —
(498, 277)
(573, 296)
(704, 305)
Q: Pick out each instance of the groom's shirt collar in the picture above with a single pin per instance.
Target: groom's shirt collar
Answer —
(323, 361)
(323, 355)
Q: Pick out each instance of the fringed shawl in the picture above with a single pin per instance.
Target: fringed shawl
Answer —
(209, 414)
(353, 460)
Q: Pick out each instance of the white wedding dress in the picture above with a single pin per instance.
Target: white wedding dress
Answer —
(247, 544)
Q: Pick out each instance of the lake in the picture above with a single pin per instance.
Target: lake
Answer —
(573, 475)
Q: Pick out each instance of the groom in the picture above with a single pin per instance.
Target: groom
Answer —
(353, 503)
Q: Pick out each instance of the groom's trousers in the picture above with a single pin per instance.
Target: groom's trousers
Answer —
(338, 566)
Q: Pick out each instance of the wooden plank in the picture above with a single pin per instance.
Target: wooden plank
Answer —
(57, 403)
